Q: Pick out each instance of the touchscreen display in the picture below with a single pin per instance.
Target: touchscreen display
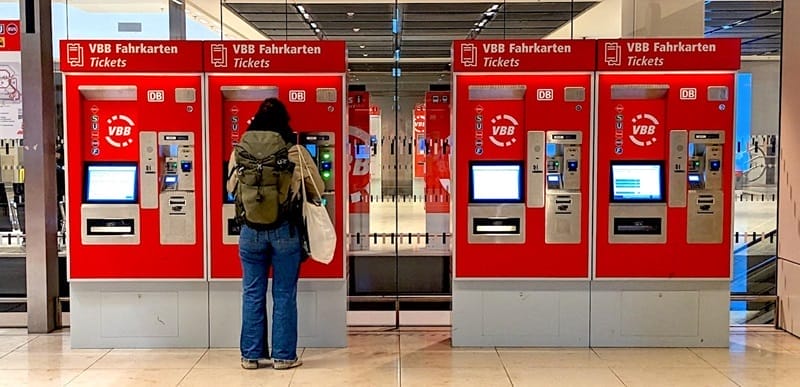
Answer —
(111, 183)
(638, 182)
(496, 182)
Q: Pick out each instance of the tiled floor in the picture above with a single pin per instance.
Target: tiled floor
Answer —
(410, 357)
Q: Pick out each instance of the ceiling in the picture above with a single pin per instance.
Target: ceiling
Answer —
(757, 23)
(427, 29)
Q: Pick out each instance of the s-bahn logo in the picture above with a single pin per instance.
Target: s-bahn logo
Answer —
(644, 130)
(119, 131)
(504, 126)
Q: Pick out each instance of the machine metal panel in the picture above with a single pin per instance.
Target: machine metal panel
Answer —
(574, 94)
(637, 211)
(148, 169)
(678, 141)
(177, 218)
(185, 95)
(326, 95)
(718, 93)
(126, 215)
(109, 93)
(623, 92)
(705, 217)
(497, 92)
(536, 168)
(230, 235)
(249, 93)
(501, 213)
(563, 218)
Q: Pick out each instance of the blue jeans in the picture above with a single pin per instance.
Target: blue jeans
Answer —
(258, 250)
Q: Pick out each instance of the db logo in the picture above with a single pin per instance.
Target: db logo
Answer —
(503, 126)
(297, 96)
(644, 130)
(544, 95)
(155, 95)
(119, 127)
(689, 94)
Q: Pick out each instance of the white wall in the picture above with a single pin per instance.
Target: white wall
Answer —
(766, 98)
(789, 172)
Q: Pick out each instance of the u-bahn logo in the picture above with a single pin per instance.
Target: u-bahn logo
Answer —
(504, 126)
(644, 130)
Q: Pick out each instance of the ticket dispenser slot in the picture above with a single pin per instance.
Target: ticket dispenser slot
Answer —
(321, 147)
(496, 211)
(704, 178)
(237, 124)
(563, 184)
(177, 192)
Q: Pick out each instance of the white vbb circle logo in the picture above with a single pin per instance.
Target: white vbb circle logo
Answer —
(116, 128)
(643, 129)
(503, 130)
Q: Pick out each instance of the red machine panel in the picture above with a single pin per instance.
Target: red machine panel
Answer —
(116, 138)
(359, 152)
(134, 160)
(316, 104)
(535, 258)
(683, 122)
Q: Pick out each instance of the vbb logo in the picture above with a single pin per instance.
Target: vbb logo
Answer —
(297, 96)
(644, 126)
(120, 126)
(503, 126)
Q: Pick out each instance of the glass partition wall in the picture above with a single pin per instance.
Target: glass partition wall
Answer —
(399, 237)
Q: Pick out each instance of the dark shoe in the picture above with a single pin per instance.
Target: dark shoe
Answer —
(249, 364)
(286, 364)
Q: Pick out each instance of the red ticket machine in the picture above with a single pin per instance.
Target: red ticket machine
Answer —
(135, 198)
(359, 152)
(523, 119)
(308, 77)
(665, 129)
(437, 151)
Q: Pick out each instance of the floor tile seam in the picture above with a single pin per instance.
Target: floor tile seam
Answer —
(89, 366)
(692, 350)
(617, 376)
(726, 376)
(19, 346)
(192, 367)
(505, 369)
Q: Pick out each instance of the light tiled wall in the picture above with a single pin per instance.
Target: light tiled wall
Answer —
(789, 183)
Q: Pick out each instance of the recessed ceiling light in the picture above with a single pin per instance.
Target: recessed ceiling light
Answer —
(356, 29)
(362, 46)
(313, 25)
(365, 54)
(351, 14)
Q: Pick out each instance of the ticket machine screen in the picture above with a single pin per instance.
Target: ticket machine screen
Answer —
(496, 182)
(637, 182)
(111, 183)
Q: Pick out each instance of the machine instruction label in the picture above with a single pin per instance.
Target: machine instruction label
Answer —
(272, 57)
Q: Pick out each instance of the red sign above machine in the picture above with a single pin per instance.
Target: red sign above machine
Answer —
(276, 57)
(523, 55)
(128, 56)
(668, 54)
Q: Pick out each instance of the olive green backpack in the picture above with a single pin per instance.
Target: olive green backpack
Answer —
(264, 175)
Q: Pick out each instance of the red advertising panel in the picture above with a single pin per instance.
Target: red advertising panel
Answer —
(229, 114)
(359, 152)
(10, 35)
(131, 56)
(523, 55)
(275, 56)
(437, 152)
(669, 54)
